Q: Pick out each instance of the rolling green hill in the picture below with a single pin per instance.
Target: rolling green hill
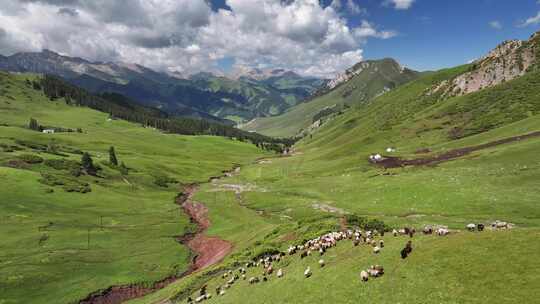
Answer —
(362, 82)
(456, 159)
(329, 177)
(58, 243)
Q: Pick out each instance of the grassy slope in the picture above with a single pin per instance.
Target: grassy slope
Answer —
(332, 168)
(139, 219)
(359, 89)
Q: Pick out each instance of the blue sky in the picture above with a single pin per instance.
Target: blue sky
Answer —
(311, 37)
(434, 34)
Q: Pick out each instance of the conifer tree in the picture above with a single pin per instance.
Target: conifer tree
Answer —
(87, 163)
(34, 125)
(112, 157)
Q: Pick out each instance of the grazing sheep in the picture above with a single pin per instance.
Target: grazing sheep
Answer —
(279, 273)
(269, 270)
(356, 242)
(307, 272)
(375, 271)
(471, 227)
(442, 231)
(427, 230)
(207, 296)
(253, 280)
(364, 276)
(225, 275)
(200, 298)
(265, 279)
(221, 292)
(243, 277)
(480, 227)
(381, 243)
(202, 291)
(321, 263)
(376, 249)
(407, 250)
(303, 254)
(394, 232)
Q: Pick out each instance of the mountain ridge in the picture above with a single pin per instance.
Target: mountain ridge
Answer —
(172, 93)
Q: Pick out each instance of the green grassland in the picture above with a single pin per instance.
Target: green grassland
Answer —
(331, 169)
(284, 200)
(59, 246)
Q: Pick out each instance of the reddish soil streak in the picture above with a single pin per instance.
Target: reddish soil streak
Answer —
(207, 250)
(395, 162)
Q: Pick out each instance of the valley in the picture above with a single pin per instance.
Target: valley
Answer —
(383, 184)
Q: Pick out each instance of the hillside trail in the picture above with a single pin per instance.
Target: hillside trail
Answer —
(396, 162)
(207, 251)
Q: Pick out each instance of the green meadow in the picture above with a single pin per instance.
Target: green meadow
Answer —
(59, 246)
(305, 194)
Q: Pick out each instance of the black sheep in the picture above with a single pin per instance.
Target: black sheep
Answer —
(407, 250)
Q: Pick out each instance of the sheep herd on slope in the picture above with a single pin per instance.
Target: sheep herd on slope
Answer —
(319, 246)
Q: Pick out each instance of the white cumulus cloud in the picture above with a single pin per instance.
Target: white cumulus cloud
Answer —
(188, 35)
(399, 4)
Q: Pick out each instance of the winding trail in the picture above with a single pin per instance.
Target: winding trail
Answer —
(396, 162)
(207, 251)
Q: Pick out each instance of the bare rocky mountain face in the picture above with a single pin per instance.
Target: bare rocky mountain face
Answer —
(509, 60)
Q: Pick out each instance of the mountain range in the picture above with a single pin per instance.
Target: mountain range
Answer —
(244, 96)
(357, 85)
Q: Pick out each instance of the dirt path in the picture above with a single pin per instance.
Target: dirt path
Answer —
(395, 162)
(207, 251)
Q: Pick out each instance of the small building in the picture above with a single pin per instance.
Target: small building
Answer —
(48, 131)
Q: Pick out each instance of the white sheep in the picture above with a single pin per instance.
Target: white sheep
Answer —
(376, 249)
(442, 231)
(321, 263)
(279, 273)
(394, 232)
(471, 227)
(364, 276)
(307, 272)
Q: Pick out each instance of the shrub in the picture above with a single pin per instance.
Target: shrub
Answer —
(30, 158)
(61, 164)
(51, 180)
(81, 188)
(163, 181)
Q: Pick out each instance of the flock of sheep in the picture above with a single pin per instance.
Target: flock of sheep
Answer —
(321, 244)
